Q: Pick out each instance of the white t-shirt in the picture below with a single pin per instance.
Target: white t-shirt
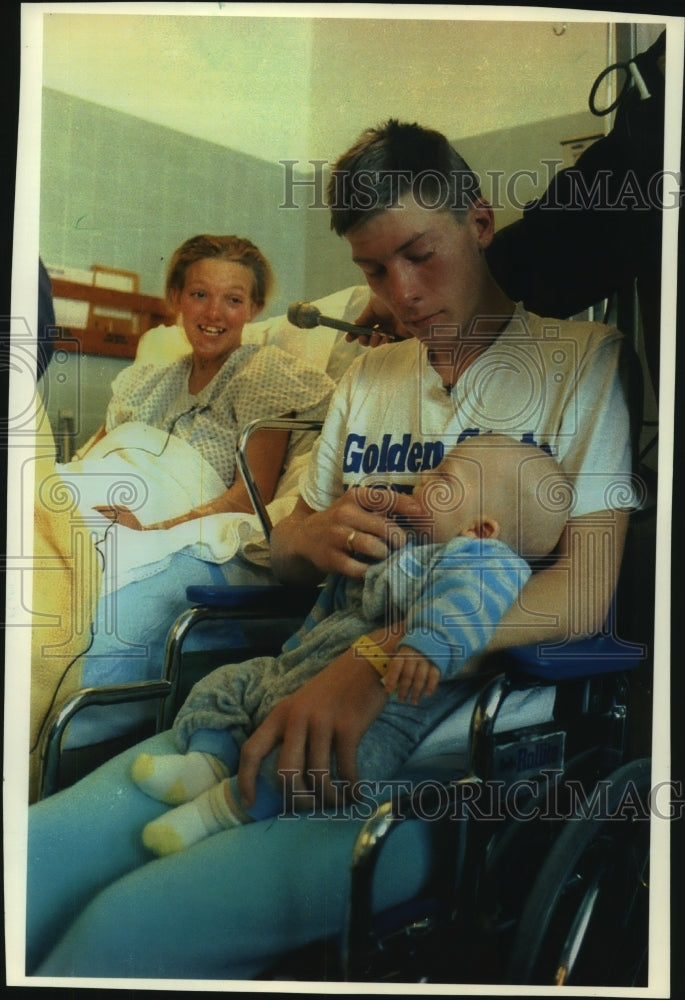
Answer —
(553, 383)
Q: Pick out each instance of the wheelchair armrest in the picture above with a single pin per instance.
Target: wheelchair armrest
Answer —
(114, 694)
(226, 603)
(271, 602)
(279, 423)
(545, 664)
(598, 654)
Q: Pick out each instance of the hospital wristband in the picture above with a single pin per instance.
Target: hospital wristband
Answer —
(373, 654)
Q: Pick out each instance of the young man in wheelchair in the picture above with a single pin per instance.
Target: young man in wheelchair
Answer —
(472, 361)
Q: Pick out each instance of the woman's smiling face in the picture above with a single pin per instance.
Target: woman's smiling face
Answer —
(215, 303)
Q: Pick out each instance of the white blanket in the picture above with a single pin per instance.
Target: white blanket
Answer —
(159, 476)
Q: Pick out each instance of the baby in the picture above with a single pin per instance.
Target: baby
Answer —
(491, 508)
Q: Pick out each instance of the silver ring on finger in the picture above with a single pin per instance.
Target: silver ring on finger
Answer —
(350, 541)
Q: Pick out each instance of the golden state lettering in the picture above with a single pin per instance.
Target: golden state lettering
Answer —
(403, 455)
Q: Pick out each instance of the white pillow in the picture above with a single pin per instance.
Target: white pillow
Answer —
(321, 347)
(161, 345)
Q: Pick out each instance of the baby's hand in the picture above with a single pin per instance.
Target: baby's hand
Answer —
(411, 676)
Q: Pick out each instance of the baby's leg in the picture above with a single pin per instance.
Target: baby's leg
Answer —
(218, 808)
(176, 778)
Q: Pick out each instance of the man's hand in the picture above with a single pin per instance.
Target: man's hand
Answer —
(375, 314)
(359, 528)
(411, 675)
(318, 725)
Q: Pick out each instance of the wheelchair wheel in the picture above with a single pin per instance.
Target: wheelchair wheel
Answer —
(585, 922)
(516, 851)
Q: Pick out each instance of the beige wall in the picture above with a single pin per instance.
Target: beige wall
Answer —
(275, 88)
(283, 87)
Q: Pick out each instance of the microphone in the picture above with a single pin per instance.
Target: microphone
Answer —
(307, 316)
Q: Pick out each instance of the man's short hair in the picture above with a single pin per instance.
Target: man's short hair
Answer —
(392, 160)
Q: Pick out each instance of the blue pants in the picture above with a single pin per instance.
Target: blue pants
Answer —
(99, 905)
(130, 632)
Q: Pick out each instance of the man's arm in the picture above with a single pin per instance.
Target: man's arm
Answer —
(569, 600)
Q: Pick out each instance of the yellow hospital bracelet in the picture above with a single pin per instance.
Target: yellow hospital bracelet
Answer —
(373, 654)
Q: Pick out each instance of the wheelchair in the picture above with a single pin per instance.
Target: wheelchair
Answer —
(539, 820)
(543, 880)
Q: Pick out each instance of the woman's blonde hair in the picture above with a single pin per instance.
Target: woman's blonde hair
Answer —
(230, 248)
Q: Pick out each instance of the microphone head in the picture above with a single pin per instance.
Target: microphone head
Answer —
(304, 315)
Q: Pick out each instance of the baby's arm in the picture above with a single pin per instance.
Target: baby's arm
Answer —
(411, 675)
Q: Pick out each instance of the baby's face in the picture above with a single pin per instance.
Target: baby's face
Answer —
(450, 497)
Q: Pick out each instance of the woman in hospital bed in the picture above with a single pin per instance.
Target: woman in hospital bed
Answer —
(155, 484)
(206, 397)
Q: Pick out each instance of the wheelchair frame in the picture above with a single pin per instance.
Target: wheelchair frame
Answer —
(505, 877)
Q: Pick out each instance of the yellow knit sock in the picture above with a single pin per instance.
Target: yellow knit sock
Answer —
(191, 822)
(176, 778)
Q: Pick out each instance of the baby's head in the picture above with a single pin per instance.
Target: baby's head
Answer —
(492, 486)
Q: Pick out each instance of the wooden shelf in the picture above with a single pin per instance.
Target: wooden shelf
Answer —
(113, 336)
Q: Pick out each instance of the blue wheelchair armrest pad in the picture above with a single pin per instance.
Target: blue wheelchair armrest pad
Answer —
(275, 599)
(599, 654)
(228, 596)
